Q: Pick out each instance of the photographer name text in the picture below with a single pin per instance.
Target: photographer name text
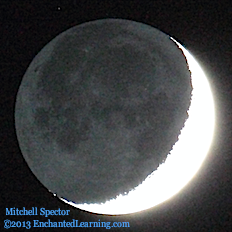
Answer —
(35, 211)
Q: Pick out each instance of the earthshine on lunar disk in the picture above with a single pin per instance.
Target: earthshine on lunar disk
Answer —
(107, 118)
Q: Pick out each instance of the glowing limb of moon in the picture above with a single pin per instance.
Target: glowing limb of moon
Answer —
(184, 160)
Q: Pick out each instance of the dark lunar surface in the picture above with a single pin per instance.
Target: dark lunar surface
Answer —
(100, 107)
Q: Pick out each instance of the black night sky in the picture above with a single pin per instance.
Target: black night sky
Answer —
(203, 27)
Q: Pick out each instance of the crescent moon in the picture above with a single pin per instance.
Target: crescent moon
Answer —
(42, 151)
(182, 163)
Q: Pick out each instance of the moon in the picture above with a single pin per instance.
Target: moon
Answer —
(114, 116)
